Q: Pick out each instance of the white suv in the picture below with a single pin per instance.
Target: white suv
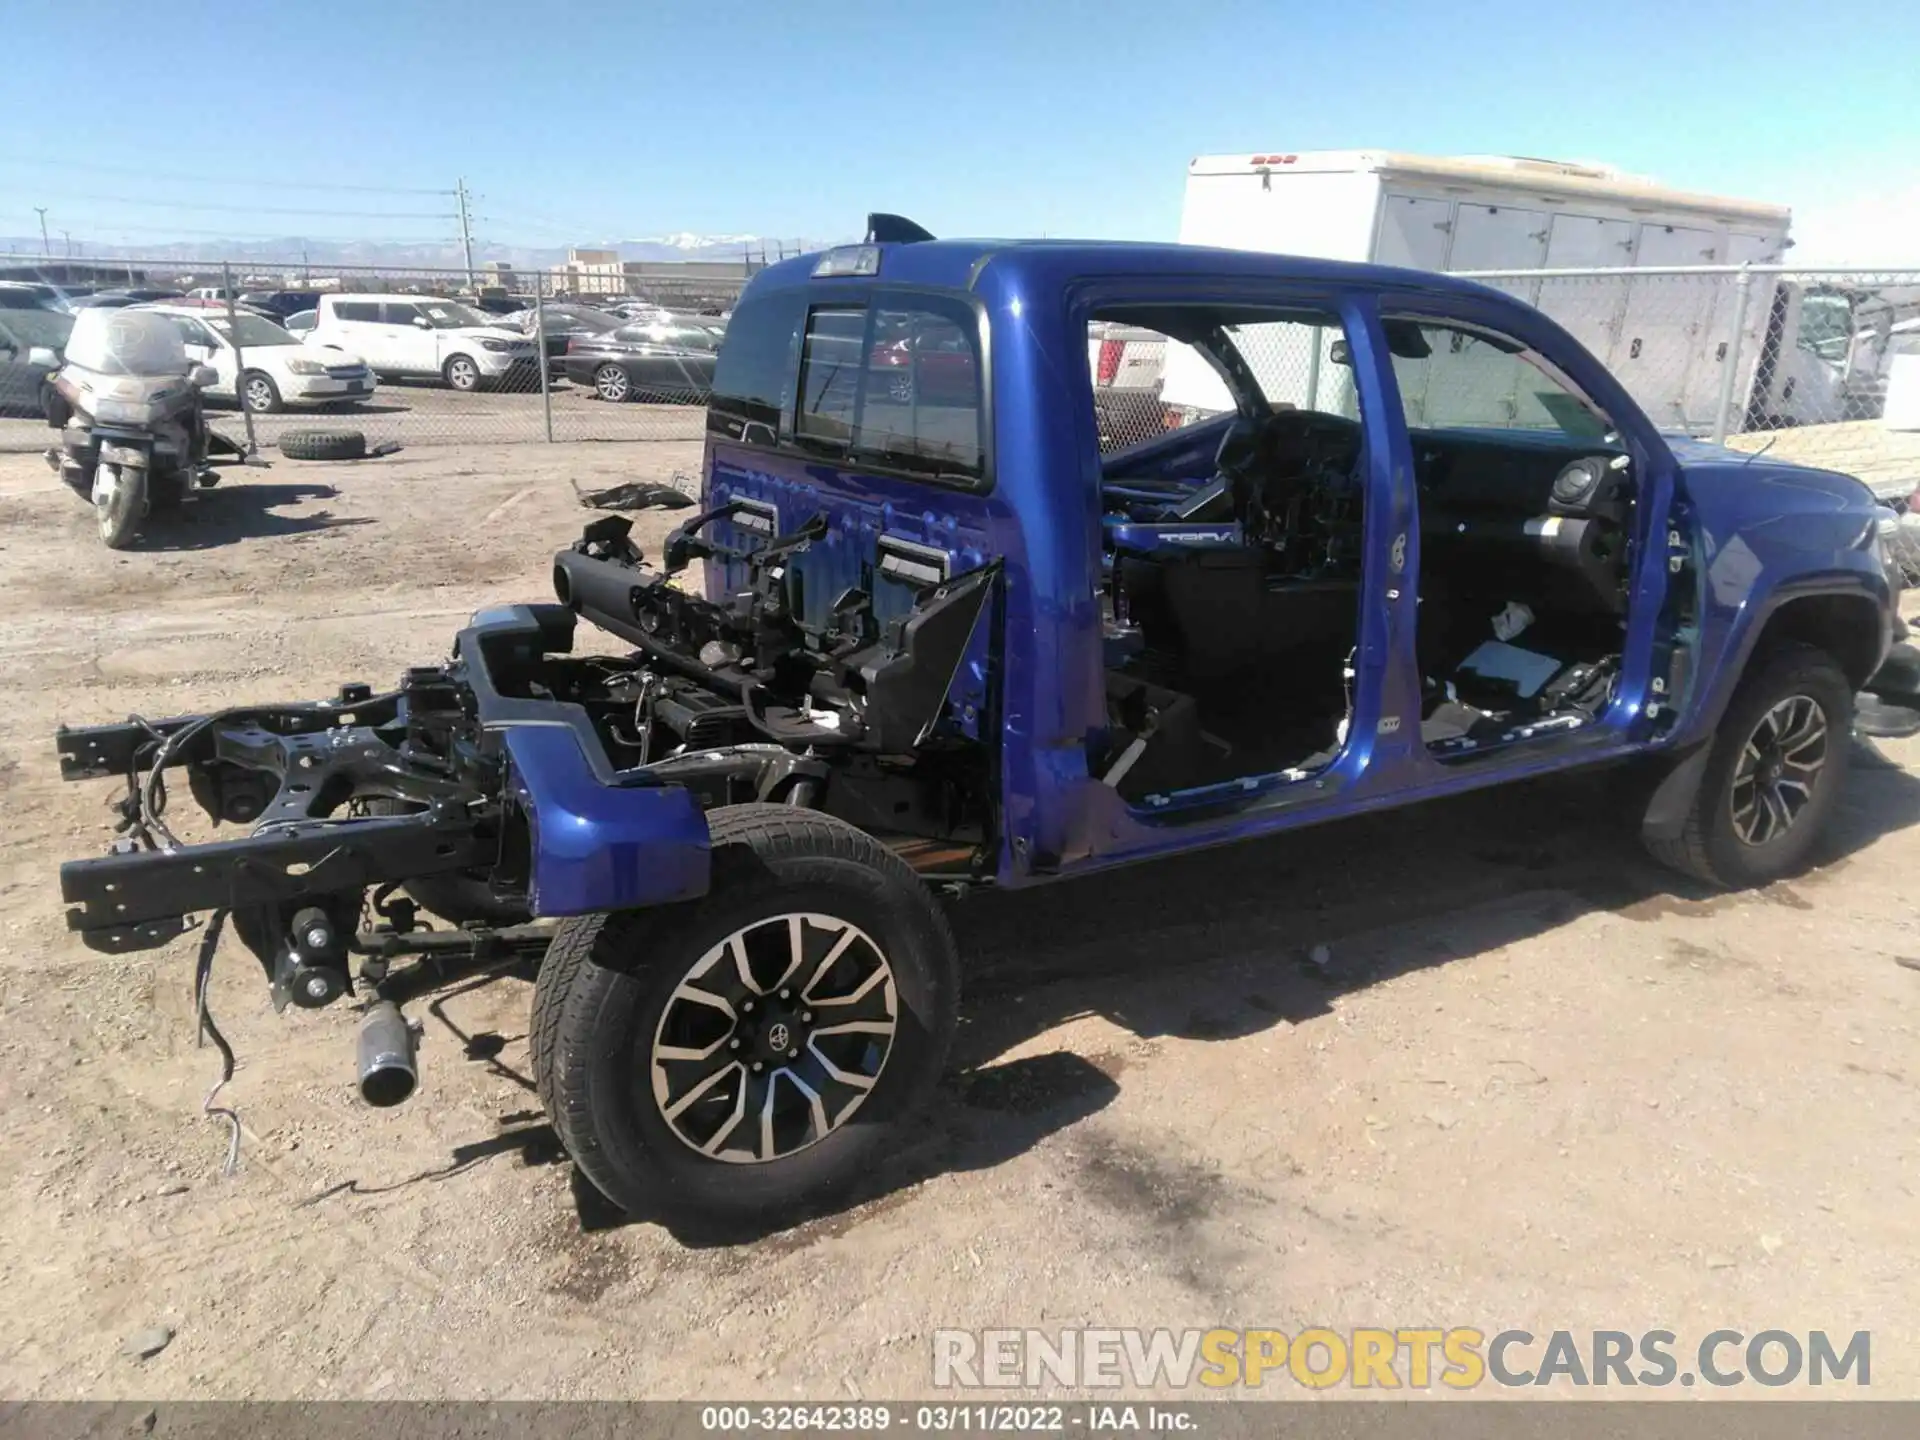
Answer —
(424, 335)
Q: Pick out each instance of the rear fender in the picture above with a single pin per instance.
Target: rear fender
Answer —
(596, 846)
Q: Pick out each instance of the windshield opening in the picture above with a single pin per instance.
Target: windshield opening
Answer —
(451, 315)
(253, 331)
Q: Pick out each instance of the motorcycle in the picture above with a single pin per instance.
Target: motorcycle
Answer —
(133, 431)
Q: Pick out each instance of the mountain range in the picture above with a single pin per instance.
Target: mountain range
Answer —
(323, 254)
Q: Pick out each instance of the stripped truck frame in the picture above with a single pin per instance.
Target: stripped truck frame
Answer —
(944, 642)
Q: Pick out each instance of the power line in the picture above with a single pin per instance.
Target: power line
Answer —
(114, 230)
(215, 179)
(136, 200)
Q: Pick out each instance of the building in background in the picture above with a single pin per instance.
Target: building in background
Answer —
(589, 272)
(690, 284)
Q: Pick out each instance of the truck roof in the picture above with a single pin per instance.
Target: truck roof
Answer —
(958, 264)
(1521, 172)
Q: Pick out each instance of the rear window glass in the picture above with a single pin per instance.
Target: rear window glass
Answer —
(920, 405)
(753, 377)
(830, 374)
(898, 385)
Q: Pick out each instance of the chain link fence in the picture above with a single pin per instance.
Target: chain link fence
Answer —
(409, 356)
(1817, 365)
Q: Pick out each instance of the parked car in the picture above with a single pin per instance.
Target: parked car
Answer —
(913, 357)
(419, 335)
(948, 645)
(663, 363)
(208, 292)
(32, 295)
(638, 312)
(280, 303)
(1127, 364)
(32, 342)
(301, 323)
(281, 370)
(132, 295)
(563, 322)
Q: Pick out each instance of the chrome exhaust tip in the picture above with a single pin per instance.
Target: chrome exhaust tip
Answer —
(388, 1072)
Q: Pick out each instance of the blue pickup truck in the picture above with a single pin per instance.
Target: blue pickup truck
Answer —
(950, 634)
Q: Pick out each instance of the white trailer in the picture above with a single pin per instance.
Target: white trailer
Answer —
(1668, 338)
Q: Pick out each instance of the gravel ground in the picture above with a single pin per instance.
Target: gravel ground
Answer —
(1536, 1083)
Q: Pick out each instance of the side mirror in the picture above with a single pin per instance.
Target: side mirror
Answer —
(203, 376)
(1339, 353)
(43, 357)
(422, 322)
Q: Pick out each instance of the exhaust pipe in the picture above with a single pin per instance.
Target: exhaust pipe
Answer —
(388, 1073)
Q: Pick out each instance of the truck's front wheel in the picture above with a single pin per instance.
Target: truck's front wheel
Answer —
(747, 1056)
(1773, 775)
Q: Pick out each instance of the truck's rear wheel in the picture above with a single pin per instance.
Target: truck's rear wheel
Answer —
(1774, 774)
(749, 1055)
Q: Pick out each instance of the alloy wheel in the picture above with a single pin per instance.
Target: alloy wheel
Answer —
(612, 383)
(774, 1038)
(1778, 768)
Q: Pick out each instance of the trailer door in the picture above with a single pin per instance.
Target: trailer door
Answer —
(1717, 347)
(1589, 307)
(1414, 232)
(1498, 237)
(1663, 331)
(1485, 237)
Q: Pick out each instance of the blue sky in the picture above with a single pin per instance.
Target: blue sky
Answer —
(581, 122)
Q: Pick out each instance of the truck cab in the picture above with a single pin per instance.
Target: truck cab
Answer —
(949, 633)
(1415, 540)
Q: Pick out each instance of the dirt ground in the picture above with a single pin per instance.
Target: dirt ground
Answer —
(426, 412)
(1538, 1083)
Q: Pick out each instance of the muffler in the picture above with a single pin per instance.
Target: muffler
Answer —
(388, 1073)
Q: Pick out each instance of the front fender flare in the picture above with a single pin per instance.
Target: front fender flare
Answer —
(1743, 643)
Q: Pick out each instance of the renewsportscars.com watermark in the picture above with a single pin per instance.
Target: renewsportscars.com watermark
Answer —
(1461, 1358)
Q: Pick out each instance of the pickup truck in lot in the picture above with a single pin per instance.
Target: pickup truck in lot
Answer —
(944, 642)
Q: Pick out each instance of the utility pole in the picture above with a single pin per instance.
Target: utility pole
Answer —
(67, 235)
(466, 228)
(46, 250)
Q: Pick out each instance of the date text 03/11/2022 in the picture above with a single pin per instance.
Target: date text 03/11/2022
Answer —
(947, 1419)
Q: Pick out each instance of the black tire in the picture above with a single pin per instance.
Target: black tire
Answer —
(462, 372)
(119, 519)
(1710, 846)
(602, 998)
(259, 394)
(323, 445)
